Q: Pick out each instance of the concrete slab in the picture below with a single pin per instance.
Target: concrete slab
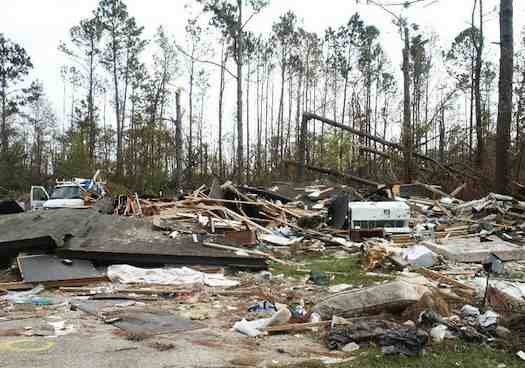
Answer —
(475, 251)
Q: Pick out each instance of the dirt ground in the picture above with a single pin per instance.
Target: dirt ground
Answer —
(87, 341)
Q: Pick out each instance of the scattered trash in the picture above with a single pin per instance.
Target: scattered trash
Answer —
(438, 333)
(443, 246)
(419, 255)
(487, 319)
(254, 328)
(319, 278)
(264, 306)
(350, 347)
(403, 340)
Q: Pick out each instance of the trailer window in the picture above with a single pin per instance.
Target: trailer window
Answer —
(371, 224)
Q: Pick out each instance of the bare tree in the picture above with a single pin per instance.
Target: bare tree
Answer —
(506, 70)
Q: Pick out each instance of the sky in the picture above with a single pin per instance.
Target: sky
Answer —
(40, 25)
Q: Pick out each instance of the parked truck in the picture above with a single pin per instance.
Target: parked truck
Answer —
(67, 194)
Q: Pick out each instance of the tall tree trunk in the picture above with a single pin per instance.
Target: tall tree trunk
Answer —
(91, 115)
(520, 111)
(266, 120)
(117, 115)
(201, 146)
(471, 119)
(248, 121)
(258, 99)
(190, 137)
(325, 101)
(290, 102)
(407, 131)
(280, 113)
(239, 93)
(3, 129)
(442, 135)
(477, 90)
(273, 152)
(298, 107)
(178, 141)
(342, 133)
(125, 93)
(505, 97)
(221, 97)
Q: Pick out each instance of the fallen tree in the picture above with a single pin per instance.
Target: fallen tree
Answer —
(301, 154)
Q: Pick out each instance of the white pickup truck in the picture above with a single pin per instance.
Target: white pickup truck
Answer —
(64, 196)
(67, 194)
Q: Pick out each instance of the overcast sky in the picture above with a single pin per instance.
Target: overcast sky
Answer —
(39, 25)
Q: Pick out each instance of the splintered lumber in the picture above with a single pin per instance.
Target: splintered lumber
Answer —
(337, 174)
(458, 190)
(247, 251)
(245, 219)
(213, 200)
(245, 292)
(294, 327)
(442, 278)
(16, 286)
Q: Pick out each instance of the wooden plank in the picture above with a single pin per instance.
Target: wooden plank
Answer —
(456, 191)
(442, 278)
(296, 326)
(247, 251)
(16, 286)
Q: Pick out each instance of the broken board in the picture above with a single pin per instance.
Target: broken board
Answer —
(47, 268)
(475, 251)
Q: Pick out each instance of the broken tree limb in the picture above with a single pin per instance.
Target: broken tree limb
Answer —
(432, 188)
(335, 173)
(375, 152)
(307, 116)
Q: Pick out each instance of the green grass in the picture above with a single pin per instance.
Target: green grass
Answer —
(346, 270)
(449, 354)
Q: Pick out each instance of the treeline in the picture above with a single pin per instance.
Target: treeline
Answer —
(119, 108)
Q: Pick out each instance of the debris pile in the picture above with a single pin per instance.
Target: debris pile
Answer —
(400, 271)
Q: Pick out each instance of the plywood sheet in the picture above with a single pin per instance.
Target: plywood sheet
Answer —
(44, 268)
